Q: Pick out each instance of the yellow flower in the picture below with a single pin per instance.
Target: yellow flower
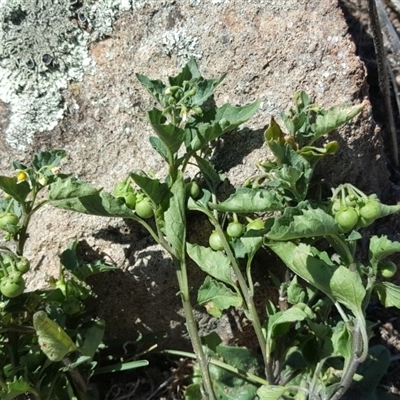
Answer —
(22, 176)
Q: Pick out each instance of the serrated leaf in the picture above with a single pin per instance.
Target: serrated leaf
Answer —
(214, 263)
(171, 135)
(53, 340)
(297, 222)
(388, 294)
(333, 118)
(216, 297)
(18, 190)
(247, 200)
(48, 158)
(269, 392)
(380, 248)
(175, 217)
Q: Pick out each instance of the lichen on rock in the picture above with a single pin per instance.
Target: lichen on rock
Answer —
(43, 46)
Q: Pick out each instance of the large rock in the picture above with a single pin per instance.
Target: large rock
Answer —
(270, 50)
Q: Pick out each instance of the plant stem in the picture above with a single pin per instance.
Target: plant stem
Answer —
(248, 297)
(244, 374)
(191, 326)
(354, 361)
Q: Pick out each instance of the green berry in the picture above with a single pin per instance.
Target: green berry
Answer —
(215, 241)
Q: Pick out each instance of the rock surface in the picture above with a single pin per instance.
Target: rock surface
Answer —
(270, 49)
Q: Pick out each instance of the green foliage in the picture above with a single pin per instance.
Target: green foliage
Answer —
(314, 343)
(48, 339)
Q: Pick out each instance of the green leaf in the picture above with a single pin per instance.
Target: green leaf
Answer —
(247, 200)
(388, 210)
(73, 194)
(69, 188)
(121, 367)
(333, 118)
(159, 147)
(314, 154)
(269, 392)
(296, 293)
(297, 222)
(48, 158)
(251, 243)
(171, 135)
(18, 190)
(175, 217)
(338, 283)
(19, 386)
(189, 71)
(216, 297)
(214, 263)
(205, 89)
(212, 177)
(193, 392)
(274, 139)
(347, 288)
(200, 204)
(225, 119)
(342, 339)
(76, 266)
(278, 324)
(158, 192)
(92, 337)
(155, 87)
(53, 340)
(380, 248)
(228, 385)
(388, 294)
